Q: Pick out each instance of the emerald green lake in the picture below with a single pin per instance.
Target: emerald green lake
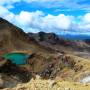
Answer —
(17, 58)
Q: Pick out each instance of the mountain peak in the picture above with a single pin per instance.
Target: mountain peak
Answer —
(3, 21)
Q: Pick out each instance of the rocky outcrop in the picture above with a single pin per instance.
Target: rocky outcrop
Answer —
(52, 66)
(12, 74)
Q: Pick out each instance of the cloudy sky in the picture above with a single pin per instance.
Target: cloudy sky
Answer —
(59, 16)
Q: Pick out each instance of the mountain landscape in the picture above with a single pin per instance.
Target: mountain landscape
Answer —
(61, 44)
(13, 38)
(52, 60)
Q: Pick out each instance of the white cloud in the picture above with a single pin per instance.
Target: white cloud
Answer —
(37, 20)
(86, 18)
(2, 2)
(5, 13)
(35, 1)
(59, 22)
(26, 18)
(8, 3)
(56, 4)
(3, 10)
(9, 6)
(85, 22)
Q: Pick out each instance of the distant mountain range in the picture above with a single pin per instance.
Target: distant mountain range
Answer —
(59, 43)
(75, 37)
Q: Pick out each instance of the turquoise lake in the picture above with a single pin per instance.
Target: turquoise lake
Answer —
(17, 58)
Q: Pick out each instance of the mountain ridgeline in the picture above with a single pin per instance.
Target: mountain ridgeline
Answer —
(11, 36)
(59, 42)
(14, 38)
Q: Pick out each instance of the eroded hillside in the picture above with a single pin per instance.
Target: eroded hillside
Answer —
(61, 64)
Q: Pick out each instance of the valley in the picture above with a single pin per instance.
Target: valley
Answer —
(37, 59)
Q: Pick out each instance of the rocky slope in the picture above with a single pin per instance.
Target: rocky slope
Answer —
(13, 38)
(39, 84)
(66, 66)
(60, 43)
(64, 73)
